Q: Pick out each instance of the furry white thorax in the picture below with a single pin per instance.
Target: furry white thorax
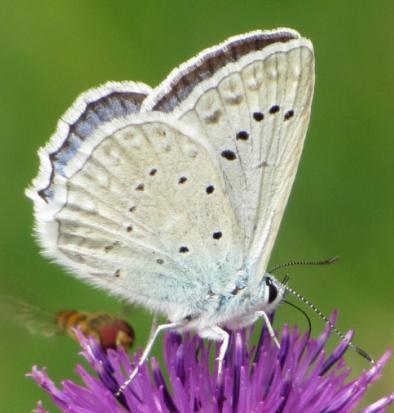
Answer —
(237, 308)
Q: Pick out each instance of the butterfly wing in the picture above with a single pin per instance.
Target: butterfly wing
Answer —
(137, 207)
(165, 209)
(250, 97)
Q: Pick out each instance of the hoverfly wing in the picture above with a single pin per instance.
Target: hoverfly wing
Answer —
(32, 318)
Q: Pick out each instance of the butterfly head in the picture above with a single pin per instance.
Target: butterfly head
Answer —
(272, 292)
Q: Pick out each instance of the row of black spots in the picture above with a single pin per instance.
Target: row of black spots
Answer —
(276, 108)
(184, 249)
(259, 116)
(141, 187)
(209, 189)
(215, 235)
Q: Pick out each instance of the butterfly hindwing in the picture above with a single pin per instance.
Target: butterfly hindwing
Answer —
(121, 211)
(91, 110)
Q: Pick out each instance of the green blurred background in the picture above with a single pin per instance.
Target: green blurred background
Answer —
(342, 202)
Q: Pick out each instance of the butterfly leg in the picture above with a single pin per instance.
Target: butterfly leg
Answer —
(218, 334)
(269, 326)
(145, 354)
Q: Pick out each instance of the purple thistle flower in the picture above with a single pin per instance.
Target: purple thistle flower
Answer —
(298, 378)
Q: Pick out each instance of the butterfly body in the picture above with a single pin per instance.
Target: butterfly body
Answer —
(172, 197)
(233, 309)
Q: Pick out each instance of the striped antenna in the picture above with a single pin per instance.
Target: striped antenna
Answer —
(360, 351)
(327, 261)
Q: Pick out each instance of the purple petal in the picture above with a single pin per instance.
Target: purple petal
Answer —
(380, 405)
(337, 353)
(39, 408)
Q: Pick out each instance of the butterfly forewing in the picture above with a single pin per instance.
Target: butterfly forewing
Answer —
(253, 108)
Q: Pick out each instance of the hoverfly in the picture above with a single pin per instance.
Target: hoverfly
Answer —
(109, 330)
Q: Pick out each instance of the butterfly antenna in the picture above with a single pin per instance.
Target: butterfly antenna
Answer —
(327, 261)
(360, 351)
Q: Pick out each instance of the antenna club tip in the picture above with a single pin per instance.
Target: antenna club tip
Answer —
(333, 259)
(365, 355)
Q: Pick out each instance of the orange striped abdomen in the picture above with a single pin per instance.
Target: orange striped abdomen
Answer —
(110, 331)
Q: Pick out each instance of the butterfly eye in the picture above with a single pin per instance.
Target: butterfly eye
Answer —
(272, 290)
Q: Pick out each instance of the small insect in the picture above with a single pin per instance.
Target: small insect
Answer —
(110, 331)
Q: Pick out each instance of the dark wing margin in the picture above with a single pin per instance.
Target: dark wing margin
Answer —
(181, 82)
(92, 109)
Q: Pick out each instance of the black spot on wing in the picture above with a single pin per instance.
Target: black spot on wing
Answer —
(289, 114)
(217, 235)
(242, 135)
(229, 155)
(258, 116)
(274, 109)
(209, 189)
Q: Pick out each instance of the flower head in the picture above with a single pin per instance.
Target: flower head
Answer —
(298, 378)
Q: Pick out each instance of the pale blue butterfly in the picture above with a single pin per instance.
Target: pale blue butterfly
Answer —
(172, 197)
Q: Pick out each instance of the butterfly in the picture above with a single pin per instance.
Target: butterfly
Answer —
(172, 197)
